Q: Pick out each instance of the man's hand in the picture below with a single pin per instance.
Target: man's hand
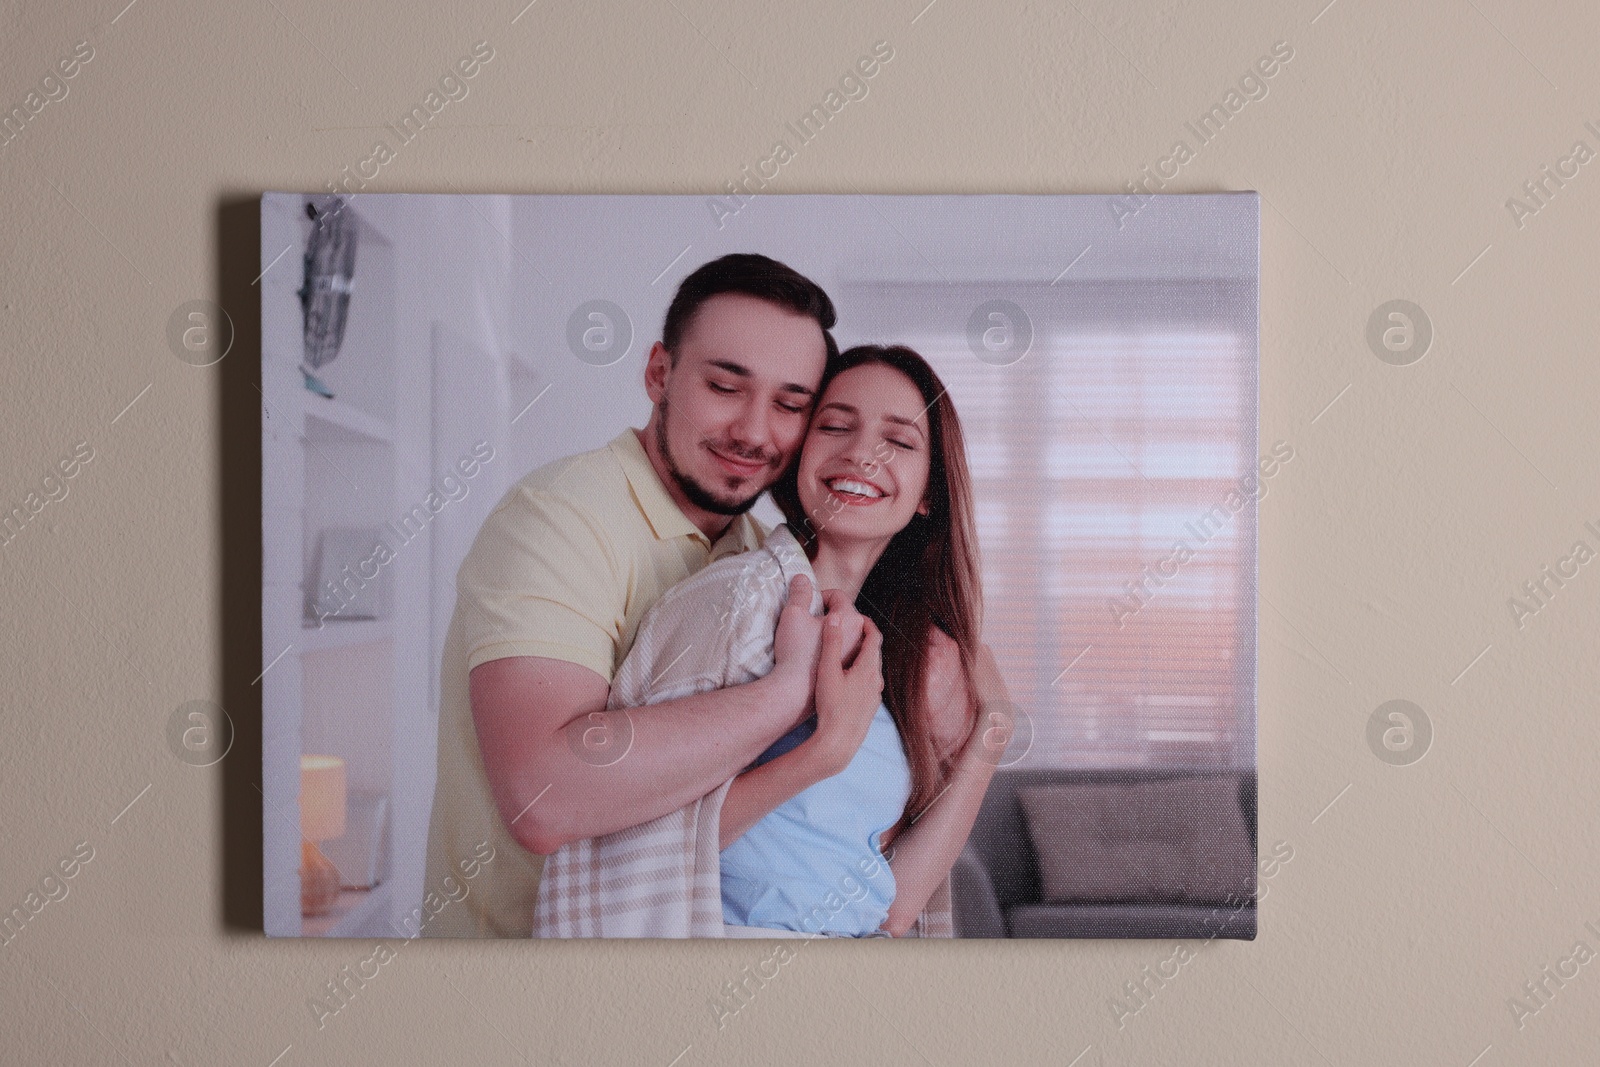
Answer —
(847, 697)
(794, 649)
(996, 714)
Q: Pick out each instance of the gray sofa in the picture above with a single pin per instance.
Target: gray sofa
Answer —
(996, 885)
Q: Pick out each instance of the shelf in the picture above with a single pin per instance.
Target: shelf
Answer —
(335, 422)
(342, 633)
(357, 913)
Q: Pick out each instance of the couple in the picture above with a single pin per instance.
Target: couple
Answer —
(708, 729)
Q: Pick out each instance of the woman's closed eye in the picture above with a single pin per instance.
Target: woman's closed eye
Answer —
(839, 427)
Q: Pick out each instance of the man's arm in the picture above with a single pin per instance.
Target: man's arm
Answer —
(526, 708)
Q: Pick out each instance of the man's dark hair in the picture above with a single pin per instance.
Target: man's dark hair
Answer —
(754, 275)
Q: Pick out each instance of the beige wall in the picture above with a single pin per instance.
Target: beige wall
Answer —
(1419, 898)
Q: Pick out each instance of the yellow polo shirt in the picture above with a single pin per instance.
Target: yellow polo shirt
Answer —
(565, 567)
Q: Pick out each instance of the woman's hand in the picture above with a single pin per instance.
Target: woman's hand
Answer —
(848, 691)
(847, 697)
(836, 605)
(797, 644)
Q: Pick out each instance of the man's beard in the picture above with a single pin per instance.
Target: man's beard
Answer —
(698, 495)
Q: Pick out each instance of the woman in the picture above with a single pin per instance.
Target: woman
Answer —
(849, 825)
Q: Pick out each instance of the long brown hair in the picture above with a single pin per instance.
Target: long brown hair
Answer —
(927, 576)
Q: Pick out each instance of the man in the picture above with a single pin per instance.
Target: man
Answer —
(563, 570)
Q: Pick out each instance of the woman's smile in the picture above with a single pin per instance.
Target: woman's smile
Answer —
(854, 492)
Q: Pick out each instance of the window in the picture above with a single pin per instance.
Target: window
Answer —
(1116, 440)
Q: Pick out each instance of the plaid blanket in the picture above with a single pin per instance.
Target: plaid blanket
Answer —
(663, 878)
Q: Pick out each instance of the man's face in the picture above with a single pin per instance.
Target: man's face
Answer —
(732, 410)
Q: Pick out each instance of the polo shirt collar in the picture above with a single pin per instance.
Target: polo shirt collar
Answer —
(666, 519)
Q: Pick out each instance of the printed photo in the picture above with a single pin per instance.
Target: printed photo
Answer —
(760, 566)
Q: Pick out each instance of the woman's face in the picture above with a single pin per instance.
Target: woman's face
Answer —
(864, 465)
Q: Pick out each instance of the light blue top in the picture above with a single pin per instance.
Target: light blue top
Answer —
(813, 864)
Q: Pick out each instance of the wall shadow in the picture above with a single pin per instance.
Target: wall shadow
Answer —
(238, 261)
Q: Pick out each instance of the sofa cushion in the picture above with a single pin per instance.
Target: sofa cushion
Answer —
(1134, 920)
(1180, 840)
(975, 911)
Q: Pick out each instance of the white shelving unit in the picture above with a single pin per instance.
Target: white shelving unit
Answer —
(326, 463)
(423, 377)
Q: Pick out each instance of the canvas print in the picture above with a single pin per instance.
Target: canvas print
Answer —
(760, 566)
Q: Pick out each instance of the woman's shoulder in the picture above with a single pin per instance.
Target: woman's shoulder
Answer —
(744, 579)
(762, 575)
(948, 696)
(706, 617)
(944, 652)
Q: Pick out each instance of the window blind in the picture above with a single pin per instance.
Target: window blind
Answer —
(1092, 458)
